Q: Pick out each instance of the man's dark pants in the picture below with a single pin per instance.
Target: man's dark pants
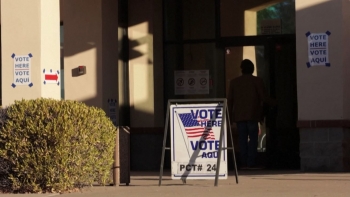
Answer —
(248, 150)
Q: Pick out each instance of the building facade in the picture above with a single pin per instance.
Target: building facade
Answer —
(129, 52)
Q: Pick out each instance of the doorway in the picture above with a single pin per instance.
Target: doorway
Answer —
(274, 58)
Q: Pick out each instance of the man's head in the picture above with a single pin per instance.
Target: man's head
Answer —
(247, 66)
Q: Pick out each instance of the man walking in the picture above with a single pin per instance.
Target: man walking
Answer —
(245, 102)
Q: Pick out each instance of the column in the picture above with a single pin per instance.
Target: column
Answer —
(91, 40)
(30, 50)
(323, 91)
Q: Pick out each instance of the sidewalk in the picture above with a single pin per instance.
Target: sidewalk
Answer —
(251, 184)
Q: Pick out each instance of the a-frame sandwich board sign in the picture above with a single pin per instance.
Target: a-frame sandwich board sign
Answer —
(198, 139)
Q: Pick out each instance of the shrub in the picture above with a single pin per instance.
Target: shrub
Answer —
(55, 146)
(5, 165)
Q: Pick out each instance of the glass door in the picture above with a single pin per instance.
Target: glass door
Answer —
(274, 59)
(233, 57)
(283, 137)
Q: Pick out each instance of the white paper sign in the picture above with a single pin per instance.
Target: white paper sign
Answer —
(21, 70)
(195, 133)
(271, 26)
(51, 77)
(318, 49)
(191, 82)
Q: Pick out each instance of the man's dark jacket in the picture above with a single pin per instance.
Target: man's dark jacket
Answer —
(246, 97)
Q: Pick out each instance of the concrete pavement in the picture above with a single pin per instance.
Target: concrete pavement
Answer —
(251, 184)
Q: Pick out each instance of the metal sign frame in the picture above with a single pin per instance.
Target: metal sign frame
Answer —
(225, 116)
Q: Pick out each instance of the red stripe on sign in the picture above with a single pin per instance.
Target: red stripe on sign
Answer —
(51, 77)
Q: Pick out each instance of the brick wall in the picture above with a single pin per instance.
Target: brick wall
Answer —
(325, 149)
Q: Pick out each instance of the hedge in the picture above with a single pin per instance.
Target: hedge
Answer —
(55, 146)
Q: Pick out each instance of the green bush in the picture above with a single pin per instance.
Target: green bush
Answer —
(55, 146)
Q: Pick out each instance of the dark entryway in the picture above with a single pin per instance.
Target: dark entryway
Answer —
(275, 60)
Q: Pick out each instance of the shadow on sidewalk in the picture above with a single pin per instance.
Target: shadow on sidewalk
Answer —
(167, 173)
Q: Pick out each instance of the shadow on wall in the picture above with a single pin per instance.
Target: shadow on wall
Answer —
(145, 147)
(83, 34)
(106, 49)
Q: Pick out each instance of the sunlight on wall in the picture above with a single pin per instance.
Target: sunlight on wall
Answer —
(82, 58)
(138, 31)
(141, 48)
(307, 4)
(249, 53)
(141, 75)
(250, 23)
(250, 30)
(143, 87)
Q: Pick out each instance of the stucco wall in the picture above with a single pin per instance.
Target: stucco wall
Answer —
(145, 63)
(320, 88)
(346, 56)
(90, 39)
(29, 27)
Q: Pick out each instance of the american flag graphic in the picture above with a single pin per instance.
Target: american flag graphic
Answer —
(193, 128)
